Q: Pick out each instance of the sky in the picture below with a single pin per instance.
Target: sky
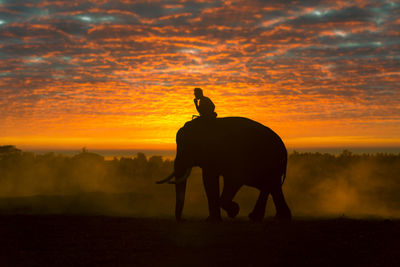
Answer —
(121, 74)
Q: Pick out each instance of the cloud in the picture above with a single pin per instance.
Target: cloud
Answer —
(137, 60)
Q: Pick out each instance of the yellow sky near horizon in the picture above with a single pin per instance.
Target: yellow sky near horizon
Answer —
(158, 131)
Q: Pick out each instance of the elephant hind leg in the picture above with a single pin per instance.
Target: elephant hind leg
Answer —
(259, 209)
(282, 209)
(228, 193)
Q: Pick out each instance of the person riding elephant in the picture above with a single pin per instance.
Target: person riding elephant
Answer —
(203, 104)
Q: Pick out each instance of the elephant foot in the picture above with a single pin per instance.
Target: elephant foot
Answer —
(213, 219)
(284, 216)
(233, 210)
(256, 217)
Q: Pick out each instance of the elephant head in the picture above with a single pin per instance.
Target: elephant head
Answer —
(182, 168)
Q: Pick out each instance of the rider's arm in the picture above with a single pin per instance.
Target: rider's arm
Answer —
(196, 102)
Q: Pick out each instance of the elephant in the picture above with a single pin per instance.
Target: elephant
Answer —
(243, 152)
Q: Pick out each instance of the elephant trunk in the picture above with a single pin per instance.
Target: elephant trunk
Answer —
(180, 189)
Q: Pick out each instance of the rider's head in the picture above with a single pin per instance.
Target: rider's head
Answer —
(198, 92)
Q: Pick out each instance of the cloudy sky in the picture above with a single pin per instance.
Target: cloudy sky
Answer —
(120, 74)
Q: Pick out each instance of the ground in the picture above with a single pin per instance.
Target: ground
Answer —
(73, 240)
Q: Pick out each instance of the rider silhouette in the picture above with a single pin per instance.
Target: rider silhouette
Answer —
(203, 104)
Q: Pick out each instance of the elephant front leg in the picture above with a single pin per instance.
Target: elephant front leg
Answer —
(211, 185)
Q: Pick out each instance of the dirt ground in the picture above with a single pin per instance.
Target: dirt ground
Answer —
(72, 240)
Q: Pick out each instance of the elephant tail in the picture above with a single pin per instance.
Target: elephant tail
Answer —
(284, 172)
(283, 176)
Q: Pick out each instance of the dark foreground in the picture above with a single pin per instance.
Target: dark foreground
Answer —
(70, 240)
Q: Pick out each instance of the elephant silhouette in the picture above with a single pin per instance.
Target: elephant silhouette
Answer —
(243, 152)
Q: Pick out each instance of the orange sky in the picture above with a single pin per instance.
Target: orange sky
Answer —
(120, 74)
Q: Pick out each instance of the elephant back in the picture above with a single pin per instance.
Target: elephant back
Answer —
(235, 139)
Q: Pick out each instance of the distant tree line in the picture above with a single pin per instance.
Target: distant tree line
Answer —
(356, 183)
(23, 173)
(315, 181)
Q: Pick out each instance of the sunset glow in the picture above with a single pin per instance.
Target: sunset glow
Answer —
(121, 74)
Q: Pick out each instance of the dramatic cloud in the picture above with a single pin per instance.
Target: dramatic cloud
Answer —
(116, 73)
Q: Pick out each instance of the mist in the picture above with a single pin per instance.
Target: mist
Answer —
(317, 185)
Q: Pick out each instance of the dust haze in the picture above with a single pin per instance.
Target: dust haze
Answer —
(318, 185)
